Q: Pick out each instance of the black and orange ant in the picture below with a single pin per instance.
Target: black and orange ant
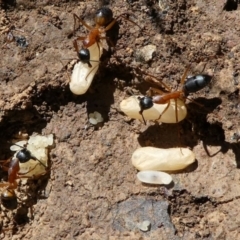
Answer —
(8, 196)
(104, 22)
(190, 84)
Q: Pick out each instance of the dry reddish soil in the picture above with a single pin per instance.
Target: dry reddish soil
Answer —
(92, 191)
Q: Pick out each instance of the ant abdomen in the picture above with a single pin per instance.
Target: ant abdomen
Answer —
(196, 83)
(103, 16)
(9, 199)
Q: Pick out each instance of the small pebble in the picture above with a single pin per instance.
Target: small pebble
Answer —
(146, 53)
(145, 226)
(95, 118)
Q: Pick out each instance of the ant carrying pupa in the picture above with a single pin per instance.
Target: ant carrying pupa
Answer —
(90, 53)
(9, 198)
(28, 162)
(166, 107)
(31, 162)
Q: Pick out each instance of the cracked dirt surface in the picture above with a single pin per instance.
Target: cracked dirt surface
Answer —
(92, 192)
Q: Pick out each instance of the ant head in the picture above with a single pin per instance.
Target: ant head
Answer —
(24, 155)
(103, 16)
(9, 199)
(145, 103)
(84, 55)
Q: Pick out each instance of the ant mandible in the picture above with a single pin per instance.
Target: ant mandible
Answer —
(104, 22)
(192, 85)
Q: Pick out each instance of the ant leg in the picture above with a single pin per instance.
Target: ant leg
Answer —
(79, 38)
(76, 18)
(177, 122)
(4, 184)
(204, 67)
(98, 50)
(19, 173)
(75, 45)
(4, 163)
(185, 75)
(141, 113)
(199, 104)
(38, 175)
(154, 80)
(152, 90)
(110, 42)
(69, 79)
(33, 176)
(166, 108)
(90, 72)
(110, 25)
(89, 64)
(5, 168)
(126, 18)
(205, 110)
(176, 112)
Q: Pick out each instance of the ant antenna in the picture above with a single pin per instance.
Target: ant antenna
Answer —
(204, 67)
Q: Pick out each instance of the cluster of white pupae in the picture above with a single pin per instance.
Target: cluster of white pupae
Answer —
(38, 146)
(152, 161)
(147, 159)
(83, 74)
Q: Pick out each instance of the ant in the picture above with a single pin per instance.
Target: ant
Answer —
(8, 196)
(104, 22)
(192, 85)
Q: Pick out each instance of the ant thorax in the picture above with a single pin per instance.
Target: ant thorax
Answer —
(38, 146)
